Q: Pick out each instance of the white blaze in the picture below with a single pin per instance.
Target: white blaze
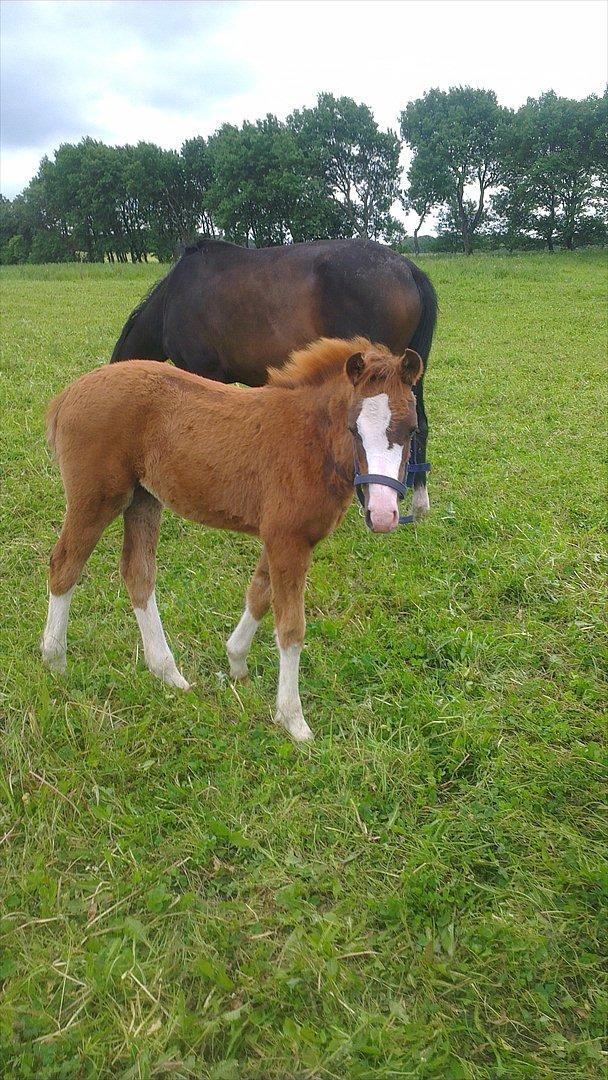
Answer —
(373, 423)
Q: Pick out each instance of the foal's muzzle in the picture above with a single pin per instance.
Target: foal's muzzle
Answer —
(380, 519)
(362, 479)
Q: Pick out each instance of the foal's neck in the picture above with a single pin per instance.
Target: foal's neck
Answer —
(328, 403)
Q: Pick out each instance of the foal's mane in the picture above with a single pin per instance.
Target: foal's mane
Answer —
(326, 357)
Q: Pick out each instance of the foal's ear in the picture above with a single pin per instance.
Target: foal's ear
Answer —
(355, 366)
(411, 367)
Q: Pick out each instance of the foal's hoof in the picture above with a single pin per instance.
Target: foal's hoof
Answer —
(57, 664)
(177, 681)
(53, 659)
(239, 672)
(295, 725)
(242, 680)
(173, 678)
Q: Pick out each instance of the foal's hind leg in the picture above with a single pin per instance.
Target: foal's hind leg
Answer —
(256, 606)
(84, 523)
(138, 568)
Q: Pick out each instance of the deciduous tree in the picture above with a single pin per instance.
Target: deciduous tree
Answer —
(262, 191)
(553, 156)
(356, 162)
(455, 138)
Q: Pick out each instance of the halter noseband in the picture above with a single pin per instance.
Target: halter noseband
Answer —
(413, 467)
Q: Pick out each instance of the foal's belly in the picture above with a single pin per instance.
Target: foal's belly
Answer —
(191, 506)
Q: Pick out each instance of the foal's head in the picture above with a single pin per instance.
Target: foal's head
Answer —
(382, 421)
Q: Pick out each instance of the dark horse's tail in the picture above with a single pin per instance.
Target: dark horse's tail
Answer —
(141, 337)
(423, 335)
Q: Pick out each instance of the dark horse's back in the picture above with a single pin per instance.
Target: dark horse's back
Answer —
(229, 312)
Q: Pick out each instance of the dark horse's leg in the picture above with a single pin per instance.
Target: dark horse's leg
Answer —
(420, 501)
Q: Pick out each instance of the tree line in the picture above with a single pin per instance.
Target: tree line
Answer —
(535, 177)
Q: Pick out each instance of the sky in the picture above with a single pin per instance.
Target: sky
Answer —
(165, 70)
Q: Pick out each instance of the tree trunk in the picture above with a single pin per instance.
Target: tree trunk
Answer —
(551, 225)
(464, 224)
(416, 231)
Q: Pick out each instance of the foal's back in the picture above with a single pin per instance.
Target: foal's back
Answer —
(183, 438)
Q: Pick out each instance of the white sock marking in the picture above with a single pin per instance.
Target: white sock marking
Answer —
(54, 639)
(289, 707)
(420, 503)
(159, 657)
(239, 644)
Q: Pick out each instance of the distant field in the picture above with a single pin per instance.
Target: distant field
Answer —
(421, 893)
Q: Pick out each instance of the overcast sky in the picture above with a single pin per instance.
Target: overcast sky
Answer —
(164, 70)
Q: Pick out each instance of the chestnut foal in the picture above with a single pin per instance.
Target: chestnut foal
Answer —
(278, 461)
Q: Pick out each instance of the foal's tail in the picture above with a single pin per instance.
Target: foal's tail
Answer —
(423, 335)
(51, 418)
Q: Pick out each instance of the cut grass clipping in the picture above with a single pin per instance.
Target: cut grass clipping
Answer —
(420, 893)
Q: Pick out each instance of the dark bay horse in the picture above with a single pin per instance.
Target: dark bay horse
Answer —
(278, 461)
(231, 313)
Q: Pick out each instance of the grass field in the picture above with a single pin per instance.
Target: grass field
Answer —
(421, 892)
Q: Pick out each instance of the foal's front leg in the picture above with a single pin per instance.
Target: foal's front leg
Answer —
(289, 559)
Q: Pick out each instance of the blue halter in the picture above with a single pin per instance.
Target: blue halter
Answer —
(413, 467)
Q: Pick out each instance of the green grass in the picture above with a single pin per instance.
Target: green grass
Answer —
(421, 892)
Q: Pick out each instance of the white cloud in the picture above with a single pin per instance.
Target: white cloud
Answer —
(124, 71)
(388, 52)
